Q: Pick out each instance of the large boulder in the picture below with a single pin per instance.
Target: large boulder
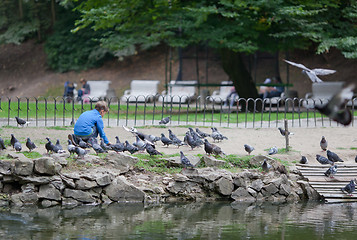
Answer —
(121, 161)
(45, 166)
(224, 186)
(23, 166)
(120, 190)
(79, 195)
(20, 199)
(242, 194)
(210, 161)
(84, 184)
(6, 166)
(50, 192)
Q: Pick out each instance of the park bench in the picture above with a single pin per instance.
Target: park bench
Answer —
(141, 91)
(219, 96)
(98, 90)
(179, 92)
(321, 93)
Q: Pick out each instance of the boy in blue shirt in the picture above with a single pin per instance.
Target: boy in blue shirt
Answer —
(90, 124)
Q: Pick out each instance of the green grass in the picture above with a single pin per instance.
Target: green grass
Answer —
(32, 155)
(50, 109)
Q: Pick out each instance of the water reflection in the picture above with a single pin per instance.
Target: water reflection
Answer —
(182, 221)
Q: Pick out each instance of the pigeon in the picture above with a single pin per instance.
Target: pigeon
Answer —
(304, 160)
(323, 143)
(312, 73)
(282, 169)
(165, 140)
(152, 138)
(266, 166)
(248, 148)
(49, 146)
(331, 171)
(202, 134)
(196, 136)
(30, 145)
(130, 148)
(21, 121)
(165, 120)
(208, 147)
(2, 144)
(216, 135)
(171, 135)
(191, 142)
(273, 150)
(336, 109)
(13, 140)
(118, 146)
(82, 144)
(323, 160)
(105, 147)
(349, 188)
(282, 132)
(17, 146)
(217, 150)
(58, 145)
(96, 147)
(151, 150)
(140, 144)
(333, 157)
(71, 147)
(81, 152)
(356, 159)
(184, 161)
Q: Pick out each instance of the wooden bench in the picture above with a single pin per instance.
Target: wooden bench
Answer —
(141, 91)
(179, 91)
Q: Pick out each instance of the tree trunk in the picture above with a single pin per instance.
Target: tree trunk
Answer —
(233, 65)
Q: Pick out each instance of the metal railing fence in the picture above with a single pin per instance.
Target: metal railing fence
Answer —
(183, 110)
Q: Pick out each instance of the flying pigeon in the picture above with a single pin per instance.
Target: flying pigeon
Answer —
(21, 121)
(71, 147)
(323, 143)
(282, 132)
(331, 171)
(2, 144)
(349, 188)
(336, 107)
(202, 134)
(248, 148)
(304, 160)
(151, 150)
(165, 140)
(273, 150)
(17, 146)
(30, 145)
(165, 120)
(184, 161)
(130, 148)
(323, 160)
(333, 157)
(312, 73)
(266, 166)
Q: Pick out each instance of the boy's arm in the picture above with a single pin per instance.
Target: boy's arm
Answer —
(100, 129)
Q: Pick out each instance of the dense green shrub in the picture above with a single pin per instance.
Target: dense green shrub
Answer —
(68, 51)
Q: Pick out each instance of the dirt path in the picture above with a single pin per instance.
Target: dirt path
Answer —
(305, 141)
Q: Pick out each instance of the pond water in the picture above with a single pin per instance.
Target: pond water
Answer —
(183, 221)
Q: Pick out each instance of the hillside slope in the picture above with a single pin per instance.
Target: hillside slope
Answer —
(23, 70)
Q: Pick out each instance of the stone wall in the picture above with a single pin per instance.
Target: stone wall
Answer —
(47, 181)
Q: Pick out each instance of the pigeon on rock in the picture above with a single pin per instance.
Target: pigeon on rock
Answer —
(323, 160)
(81, 152)
(30, 145)
(71, 147)
(208, 147)
(96, 147)
(323, 143)
(248, 148)
(331, 171)
(49, 146)
(312, 73)
(266, 166)
(349, 188)
(17, 146)
(336, 107)
(82, 144)
(165, 120)
(105, 147)
(282, 132)
(21, 121)
(273, 150)
(184, 161)
(304, 160)
(333, 157)
(58, 145)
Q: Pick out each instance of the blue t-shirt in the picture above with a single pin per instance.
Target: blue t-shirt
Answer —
(86, 121)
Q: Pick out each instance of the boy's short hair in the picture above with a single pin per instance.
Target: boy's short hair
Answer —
(102, 105)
